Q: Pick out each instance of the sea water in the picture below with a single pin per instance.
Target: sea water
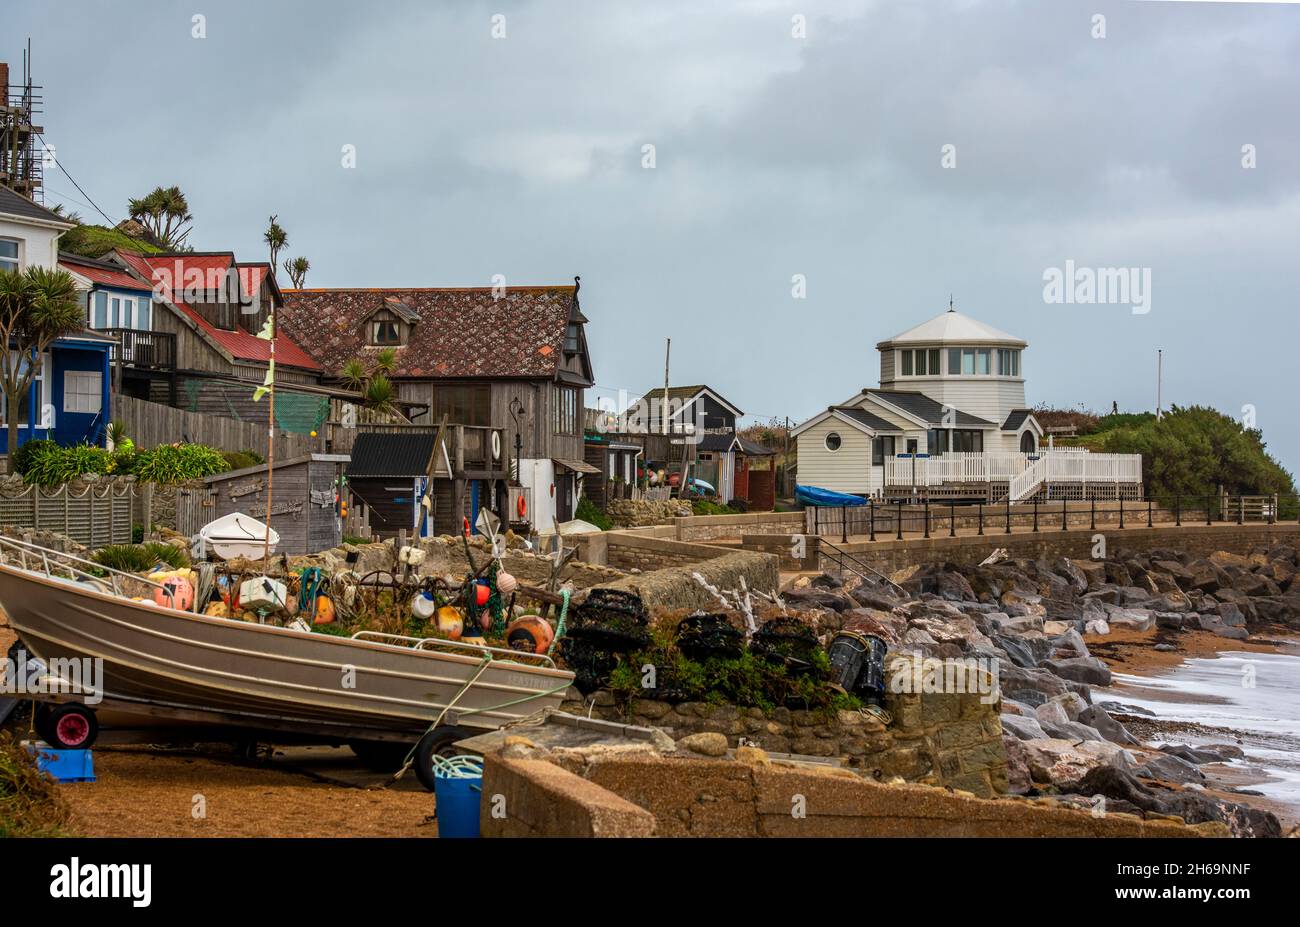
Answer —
(1255, 696)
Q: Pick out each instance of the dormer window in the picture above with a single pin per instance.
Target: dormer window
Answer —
(385, 333)
(385, 329)
(572, 342)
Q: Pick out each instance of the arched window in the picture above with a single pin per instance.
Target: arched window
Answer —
(1027, 443)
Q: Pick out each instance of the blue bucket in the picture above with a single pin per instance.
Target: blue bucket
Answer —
(457, 802)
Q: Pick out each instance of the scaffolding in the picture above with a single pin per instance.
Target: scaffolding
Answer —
(20, 160)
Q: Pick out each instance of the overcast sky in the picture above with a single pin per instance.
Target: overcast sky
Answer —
(775, 155)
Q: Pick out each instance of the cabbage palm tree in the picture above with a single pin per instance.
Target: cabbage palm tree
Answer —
(354, 373)
(37, 307)
(297, 269)
(386, 361)
(380, 394)
(165, 215)
(276, 238)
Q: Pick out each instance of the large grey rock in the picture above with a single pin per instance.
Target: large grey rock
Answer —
(1099, 718)
(1170, 768)
(1088, 670)
(1073, 730)
(1023, 727)
(1052, 712)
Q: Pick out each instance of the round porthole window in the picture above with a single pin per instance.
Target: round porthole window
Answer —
(833, 441)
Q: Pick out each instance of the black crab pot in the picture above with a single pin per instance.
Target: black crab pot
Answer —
(858, 665)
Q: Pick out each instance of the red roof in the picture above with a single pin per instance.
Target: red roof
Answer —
(182, 268)
(96, 274)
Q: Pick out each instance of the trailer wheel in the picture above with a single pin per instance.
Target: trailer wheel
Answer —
(380, 756)
(66, 727)
(441, 741)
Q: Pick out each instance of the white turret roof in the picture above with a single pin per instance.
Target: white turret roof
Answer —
(955, 328)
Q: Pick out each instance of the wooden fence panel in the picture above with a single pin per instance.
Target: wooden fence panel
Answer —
(150, 424)
(94, 515)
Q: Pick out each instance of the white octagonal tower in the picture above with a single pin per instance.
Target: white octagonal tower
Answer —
(960, 362)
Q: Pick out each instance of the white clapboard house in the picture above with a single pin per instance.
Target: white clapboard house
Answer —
(950, 421)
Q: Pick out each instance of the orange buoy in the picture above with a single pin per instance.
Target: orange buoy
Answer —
(531, 634)
(522, 507)
(449, 622)
(324, 610)
(175, 593)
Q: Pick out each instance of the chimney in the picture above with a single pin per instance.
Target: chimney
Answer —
(4, 84)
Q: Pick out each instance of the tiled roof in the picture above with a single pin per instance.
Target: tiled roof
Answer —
(104, 274)
(952, 327)
(163, 269)
(460, 333)
(931, 411)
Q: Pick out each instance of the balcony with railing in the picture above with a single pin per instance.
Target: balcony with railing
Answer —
(1023, 473)
(145, 349)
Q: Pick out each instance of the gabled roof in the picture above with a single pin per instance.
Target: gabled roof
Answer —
(17, 205)
(686, 394)
(465, 332)
(1018, 418)
(162, 269)
(922, 407)
(101, 273)
(852, 416)
(952, 327)
(863, 417)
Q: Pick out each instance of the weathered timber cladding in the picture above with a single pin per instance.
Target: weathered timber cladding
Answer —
(150, 424)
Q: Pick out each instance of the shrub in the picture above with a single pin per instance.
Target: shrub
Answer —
(30, 803)
(587, 511)
(705, 507)
(238, 460)
(176, 463)
(137, 558)
(23, 457)
(52, 465)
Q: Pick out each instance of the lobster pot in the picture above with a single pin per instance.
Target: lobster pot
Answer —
(858, 665)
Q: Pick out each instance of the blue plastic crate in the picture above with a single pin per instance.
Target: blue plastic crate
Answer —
(64, 765)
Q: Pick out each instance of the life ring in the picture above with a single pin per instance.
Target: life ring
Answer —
(465, 520)
(496, 445)
(521, 507)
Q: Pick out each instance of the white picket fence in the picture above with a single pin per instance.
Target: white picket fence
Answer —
(1024, 472)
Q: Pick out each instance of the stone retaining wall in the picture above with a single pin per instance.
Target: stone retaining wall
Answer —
(945, 739)
(676, 587)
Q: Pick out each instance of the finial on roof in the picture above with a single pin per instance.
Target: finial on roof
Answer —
(950, 308)
(577, 284)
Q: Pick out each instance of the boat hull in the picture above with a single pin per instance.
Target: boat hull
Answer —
(815, 495)
(266, 675)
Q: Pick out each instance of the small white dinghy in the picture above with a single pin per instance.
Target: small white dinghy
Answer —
(237, 535)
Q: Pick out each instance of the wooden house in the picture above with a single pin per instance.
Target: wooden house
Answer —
(508, 361)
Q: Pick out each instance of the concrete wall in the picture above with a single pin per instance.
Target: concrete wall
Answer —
(689, 797)
(676, 587)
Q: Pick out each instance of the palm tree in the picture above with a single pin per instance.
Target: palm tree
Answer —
(276, 238)
(386, 361)
(37, 307)
(380, 394)
(297, 269)
(354, 373)
(165, 215)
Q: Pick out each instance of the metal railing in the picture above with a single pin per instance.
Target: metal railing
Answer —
(876, 520)
(426, 643)
(88, 571)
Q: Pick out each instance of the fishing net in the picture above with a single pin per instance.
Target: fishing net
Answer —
(609, 623)
(295, 413)
(703, 636)
(788, 641)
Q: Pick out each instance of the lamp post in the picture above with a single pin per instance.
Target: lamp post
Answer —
(516, 409)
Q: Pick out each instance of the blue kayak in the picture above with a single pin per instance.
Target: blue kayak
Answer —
(813, 495)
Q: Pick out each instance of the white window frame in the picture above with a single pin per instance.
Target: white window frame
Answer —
(95, 398)
(17, 259)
